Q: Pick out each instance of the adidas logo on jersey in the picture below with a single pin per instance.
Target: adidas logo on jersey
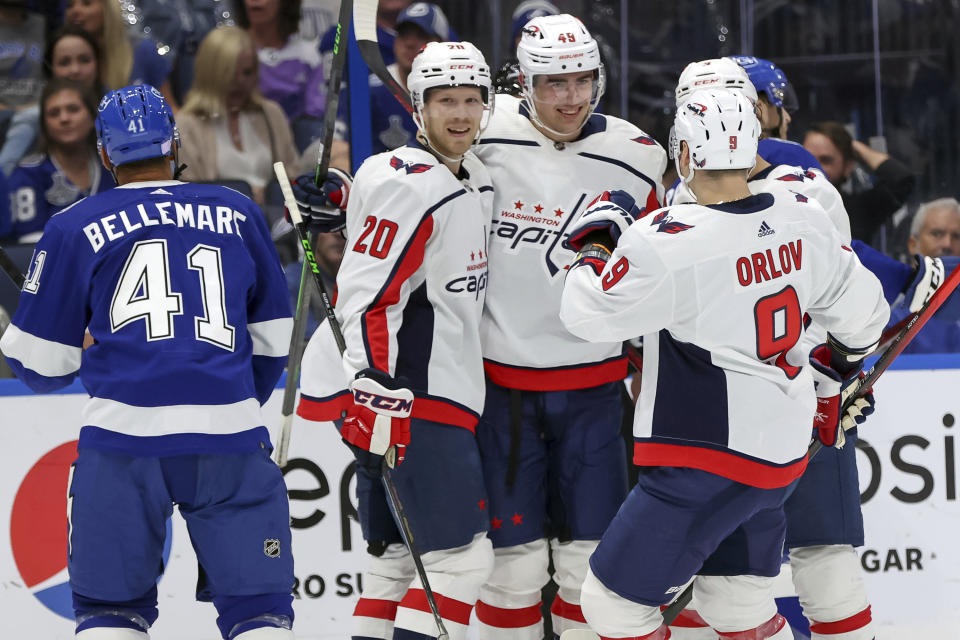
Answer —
(765, 230)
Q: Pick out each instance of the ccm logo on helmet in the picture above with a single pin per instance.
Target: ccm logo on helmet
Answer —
(375, 401)
(461, 66)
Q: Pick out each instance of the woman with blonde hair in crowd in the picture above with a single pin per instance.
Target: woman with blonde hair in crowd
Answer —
(229, 130)
(125, 59)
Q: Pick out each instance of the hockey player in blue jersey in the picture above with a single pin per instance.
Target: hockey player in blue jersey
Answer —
(182, 291)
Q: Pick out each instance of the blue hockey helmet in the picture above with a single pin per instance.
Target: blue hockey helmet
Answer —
(135, 123)
(769, 79)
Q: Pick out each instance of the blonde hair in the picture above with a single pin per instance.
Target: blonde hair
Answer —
(116, 60)
(214, 70)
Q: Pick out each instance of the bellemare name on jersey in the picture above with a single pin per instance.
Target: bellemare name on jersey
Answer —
(218, 219)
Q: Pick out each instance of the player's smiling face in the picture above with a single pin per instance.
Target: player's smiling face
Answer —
(452, 118)
(563, 100)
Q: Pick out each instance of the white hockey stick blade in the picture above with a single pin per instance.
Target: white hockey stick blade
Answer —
(579, 634)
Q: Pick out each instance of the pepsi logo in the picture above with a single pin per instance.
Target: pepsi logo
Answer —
(38, 529)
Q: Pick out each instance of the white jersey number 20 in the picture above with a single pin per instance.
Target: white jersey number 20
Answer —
(144, 292)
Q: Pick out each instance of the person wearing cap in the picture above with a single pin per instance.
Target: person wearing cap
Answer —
(390, 124)
(507, 79)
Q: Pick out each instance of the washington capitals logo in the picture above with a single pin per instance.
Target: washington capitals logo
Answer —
(798, 177)
(416, 167)
(667, 224)
(800, 196)
(647, 140)
(697, 108)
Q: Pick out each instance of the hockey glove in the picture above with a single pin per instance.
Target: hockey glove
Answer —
(928, 275)
(604, 221)
(834, 378)
(324, 208)
(380, 416)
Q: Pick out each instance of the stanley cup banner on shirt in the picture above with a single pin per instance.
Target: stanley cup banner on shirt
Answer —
(907, 457)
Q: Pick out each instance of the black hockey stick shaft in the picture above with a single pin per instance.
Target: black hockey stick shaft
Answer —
(11, 269)
(365, 29)
(298, 337)
(907, 330)
(297, 342)
(333, 89)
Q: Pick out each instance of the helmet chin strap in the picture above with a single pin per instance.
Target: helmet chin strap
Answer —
(434, 151)
(535, 118)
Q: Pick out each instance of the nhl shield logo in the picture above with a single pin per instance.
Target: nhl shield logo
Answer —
(271, 548)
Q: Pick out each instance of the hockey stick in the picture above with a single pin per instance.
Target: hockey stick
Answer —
(389, 460)
(365, 30)
(11, 269)
(905, 331)
(909, 329)
(297, 340)
(298, 337)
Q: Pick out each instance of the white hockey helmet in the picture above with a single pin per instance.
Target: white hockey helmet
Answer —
(551, 45)
(718, 73)
(721, 130)
(449, 64)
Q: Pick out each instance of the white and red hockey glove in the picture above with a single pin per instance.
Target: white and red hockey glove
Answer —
(380, 416)
(604, 221)
(835, 379)
(323, 208)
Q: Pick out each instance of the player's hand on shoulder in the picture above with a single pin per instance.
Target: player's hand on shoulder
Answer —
(323, 207)
(835, 376)
(380, 415)
(604, 220)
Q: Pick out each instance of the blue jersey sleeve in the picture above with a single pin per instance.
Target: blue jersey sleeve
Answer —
(893, 274)
(43, 343)
(268, 308)
(29, 209)
(777, 151)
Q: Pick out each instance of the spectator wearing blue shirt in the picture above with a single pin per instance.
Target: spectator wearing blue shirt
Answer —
(68, 170)
(390, 124)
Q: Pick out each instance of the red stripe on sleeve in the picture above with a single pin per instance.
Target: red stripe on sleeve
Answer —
(376, 332)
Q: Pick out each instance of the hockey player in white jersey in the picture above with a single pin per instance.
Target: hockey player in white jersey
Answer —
(719, 290)
(410, 293)
(554, 460)
(824, 521)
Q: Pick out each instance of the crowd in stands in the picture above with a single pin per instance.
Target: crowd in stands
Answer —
(248, 82)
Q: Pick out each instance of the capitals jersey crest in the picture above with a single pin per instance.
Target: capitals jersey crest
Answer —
(409, 167)
(667, 224)
(798, 177)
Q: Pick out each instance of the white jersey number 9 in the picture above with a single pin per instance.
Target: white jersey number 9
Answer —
(144, 292)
